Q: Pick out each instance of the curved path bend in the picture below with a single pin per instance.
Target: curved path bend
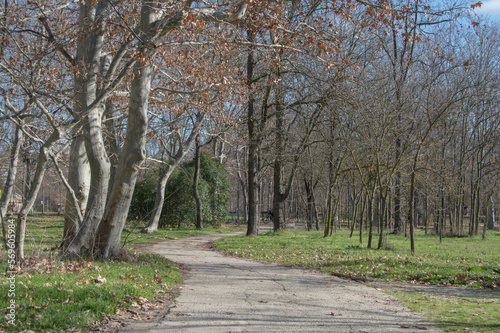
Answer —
(225, 294)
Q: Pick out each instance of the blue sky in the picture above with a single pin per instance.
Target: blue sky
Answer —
(490, 8)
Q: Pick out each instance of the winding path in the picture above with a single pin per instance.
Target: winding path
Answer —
(224, 294)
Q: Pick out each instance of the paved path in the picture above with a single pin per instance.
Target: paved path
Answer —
(224, 294)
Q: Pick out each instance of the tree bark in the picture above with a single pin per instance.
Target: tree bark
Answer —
(196, 180)
(382, 218)
(159, 199)
(253, 137)
(491, 212)
(88, 59)
(280, 190)
(36, 183)
(309, 187)
(8, 190)
(79, 180)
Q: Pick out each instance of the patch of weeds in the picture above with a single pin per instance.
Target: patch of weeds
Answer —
(354, 247)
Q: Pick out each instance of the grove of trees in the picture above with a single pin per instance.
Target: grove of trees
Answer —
(382, 114)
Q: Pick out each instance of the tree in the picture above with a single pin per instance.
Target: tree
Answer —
(196, 181)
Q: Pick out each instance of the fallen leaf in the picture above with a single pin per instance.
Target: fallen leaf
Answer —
(99, 279)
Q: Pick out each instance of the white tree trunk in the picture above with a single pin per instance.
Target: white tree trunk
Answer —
(11, 175)
(89, 50)
(36, 183)
(173, 163)
(159, 200)
(79, 180)
(134, 152)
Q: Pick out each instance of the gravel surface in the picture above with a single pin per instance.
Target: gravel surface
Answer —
(225, 294)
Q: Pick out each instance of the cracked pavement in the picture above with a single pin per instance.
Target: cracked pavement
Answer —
(225, 294)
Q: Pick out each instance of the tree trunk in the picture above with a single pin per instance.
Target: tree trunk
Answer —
(18, 140)
(382, 219)
(100, 171)
(8, 190)
(491, 213)
(242, 186)
(371, 217)
(354, 203)
(245, 200)
(478, 206)
(88, 59)
(328, 215)
(173, 163)
(279, 193)
(112, 139)
(79, 180)
(159, 200)
(279, 198)
(253, 137)
(253, 192)
(36, 183)
(397, 194)
(411, 202)
(311, 205)
(134, 153)
(196, 180)
(361, 218)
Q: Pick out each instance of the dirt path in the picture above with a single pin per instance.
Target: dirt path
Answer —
(224, 294)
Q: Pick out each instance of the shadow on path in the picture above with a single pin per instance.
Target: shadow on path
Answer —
(225, 294)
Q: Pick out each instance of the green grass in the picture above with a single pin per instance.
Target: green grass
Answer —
(56, 295)
(457, 313)
(464, 262)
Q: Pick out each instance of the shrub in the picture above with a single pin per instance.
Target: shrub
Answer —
(143, 199)
(179, 207)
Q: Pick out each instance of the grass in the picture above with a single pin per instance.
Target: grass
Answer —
(464, 262)
(457, 313)
(54, 295)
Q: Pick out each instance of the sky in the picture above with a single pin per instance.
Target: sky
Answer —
(490, 8)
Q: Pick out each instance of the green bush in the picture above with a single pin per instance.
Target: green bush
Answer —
(179, 207)
(217, 178)
(143, 199)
